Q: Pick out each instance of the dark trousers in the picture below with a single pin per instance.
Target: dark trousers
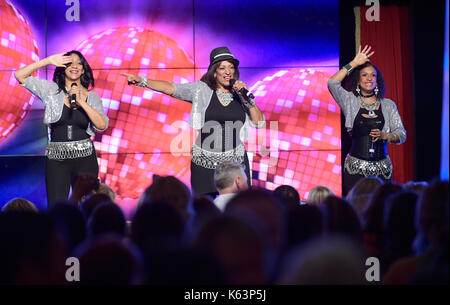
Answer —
(60, 175)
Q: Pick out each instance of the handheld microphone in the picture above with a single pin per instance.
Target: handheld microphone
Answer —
(73, 98)
(243, 91)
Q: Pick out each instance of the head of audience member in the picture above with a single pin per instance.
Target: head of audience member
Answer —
(361, 191)
(288, 196)
(341, 218)
(204, 210)
(105, 189)
(432, 242)
(19, 205)
(399, 224)
(432, 216)
(107, 218)
(109, 259)
(238, 248)
(318, 194)
(260, 206)
(84, 185)
(157, 227)
(32, 252)
(417, 186)
(69, 222)
(373, 215)
(373, 218)
(91, 201)
(335, 260)
(169, 190)
(183, 267)
(230, 177)
(305, 222)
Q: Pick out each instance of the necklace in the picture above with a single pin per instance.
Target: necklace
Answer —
(370, 107)
(370, 95)
(225, 97)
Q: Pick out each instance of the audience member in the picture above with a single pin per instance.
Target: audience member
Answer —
(91, 201)
(69, 222)
(107, 217)
(304, 222)
(19, 205)
(288, 196)
(360, 193)
(341, 218)
(326, 261)
(229, 178)
(109, 259)
(169, 190)
(373, 218)
(157, 227)
(399, 224)
(318, 194)
(431, 263)
(239, 249)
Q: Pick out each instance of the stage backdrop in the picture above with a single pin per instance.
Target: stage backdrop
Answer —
(287, 51)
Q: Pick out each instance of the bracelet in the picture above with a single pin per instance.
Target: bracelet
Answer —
(349, 68)
(143, 82)
(249, 104)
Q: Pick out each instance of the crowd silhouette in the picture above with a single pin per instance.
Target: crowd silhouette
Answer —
(260, 237)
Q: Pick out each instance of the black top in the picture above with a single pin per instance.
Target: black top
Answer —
(71, 126)
(222, 125)
(362, 141)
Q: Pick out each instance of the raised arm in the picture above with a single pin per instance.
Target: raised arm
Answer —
(157, 85)
(58, 60)
(361, 58)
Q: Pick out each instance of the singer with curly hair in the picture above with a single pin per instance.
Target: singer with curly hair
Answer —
(72, 112)
(371, 119)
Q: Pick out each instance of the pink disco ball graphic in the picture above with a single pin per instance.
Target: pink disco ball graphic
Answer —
(136, 144)
(306, 151)
(17, 49)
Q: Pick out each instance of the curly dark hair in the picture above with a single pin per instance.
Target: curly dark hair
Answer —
(87, 79)
(209, 78)
(353, 78)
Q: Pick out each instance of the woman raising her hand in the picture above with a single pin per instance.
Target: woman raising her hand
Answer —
(72, 113)
(371, 119)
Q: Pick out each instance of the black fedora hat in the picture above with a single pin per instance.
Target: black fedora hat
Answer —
(220, 54)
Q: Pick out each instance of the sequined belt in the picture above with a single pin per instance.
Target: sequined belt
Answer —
(210, 160)
(382, 168)
(69, 150)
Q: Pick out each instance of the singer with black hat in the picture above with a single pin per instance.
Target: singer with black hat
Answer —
(72, 112)
(222, 110)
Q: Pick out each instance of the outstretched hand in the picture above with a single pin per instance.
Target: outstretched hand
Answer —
(363, 56)
(59, 60)
(132, 79)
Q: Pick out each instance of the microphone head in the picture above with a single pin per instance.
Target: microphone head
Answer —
(74, 84)
(232, 82)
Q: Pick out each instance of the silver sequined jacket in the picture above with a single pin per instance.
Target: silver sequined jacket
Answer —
(53, 100)
(350, 105)
(200, 95)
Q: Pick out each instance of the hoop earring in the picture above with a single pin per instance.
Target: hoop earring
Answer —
(215, 75)
(358, 90)
(376, 90)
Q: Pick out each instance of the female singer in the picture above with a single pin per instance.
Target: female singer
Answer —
(220, 111)
(371, 119)
(72, 113)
